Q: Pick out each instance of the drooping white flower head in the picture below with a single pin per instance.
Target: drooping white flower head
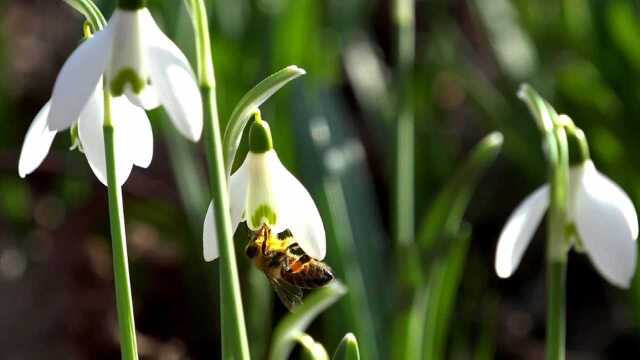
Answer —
(263, 192)
(133, 137)
(139, 61)
(604, 216)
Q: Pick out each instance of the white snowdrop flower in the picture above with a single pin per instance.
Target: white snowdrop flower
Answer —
(137, 60)
(263, 192)
(603, 215)
(133, 137)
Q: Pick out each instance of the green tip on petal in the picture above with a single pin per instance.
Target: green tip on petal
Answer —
(263, 212)
(131, 4)
(124, 77)
(75, 139)
(259, 135)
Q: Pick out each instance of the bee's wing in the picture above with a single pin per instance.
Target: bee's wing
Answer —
(290, 295)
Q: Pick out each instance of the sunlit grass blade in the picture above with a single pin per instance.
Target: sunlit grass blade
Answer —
(247, 105)
(347, 349)
(368, 76)
(292, 325)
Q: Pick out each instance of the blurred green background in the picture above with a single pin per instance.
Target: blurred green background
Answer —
(332, 128)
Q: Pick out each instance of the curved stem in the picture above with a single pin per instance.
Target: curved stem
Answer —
(233, 329)
(124, 303)
(557, 244)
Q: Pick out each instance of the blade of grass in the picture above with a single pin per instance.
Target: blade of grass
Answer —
(359, 308)
(445, 214)
(287, 331)
(443, 221)
(348, 348)
(443, 286)
(247, 105)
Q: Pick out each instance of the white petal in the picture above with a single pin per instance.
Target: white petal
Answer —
(238, 193)
(210, 236)
(91, 136)
(129, 62)
(298, 212)
(608, 226)
(37, 143)
(261, 204)
(147, 98)
(237, 189)
(78, 78)
(174, 81)
(135, 129)
(519, 230)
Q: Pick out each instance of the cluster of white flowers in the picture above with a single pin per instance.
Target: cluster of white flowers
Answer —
(143, 69)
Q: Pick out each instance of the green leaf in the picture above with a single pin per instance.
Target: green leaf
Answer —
(624, 28)
(445, 215)
(447, 242)
(442, 288)
(312, 350)
(247, 105)
(292, 325)
(347, 349)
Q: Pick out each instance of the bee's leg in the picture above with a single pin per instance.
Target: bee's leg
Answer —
(251, 249)
(264, 247)
(298, 264)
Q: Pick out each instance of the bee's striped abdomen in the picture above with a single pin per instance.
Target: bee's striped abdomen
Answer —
(309, 275)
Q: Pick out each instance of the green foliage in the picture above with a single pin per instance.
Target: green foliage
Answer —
(583, 55)
(249, 103)
(347, 349)
(293, 325)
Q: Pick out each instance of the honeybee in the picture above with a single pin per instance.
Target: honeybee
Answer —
(287, 267)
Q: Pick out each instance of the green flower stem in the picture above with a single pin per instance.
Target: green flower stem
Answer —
(233, 329)
(124, 303)
(554, 130)
(404, 186)
(557, 244)
(556, 289)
